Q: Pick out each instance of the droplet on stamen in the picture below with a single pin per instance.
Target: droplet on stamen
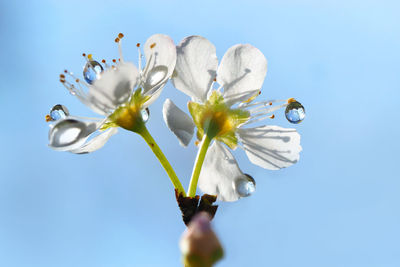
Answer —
(155, 76)
(92, 71)
(244, 185)
(58, 112)
(145, 114)
(295, 112)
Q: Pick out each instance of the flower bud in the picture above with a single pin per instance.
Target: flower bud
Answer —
(199, 245)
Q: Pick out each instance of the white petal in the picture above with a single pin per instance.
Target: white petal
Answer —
(70, 133)
(271, 147)
(178, 122)
(242, 72)
(160, 52)
(219, 173)
(114, 86)
(196, 66)
(96, 142)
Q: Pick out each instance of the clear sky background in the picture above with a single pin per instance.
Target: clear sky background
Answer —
(338, 207)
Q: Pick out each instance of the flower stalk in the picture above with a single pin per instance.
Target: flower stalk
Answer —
(205, 143)
(143, 132)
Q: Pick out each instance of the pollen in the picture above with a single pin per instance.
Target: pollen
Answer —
(291, 100)
(48, 118)
(153, 45)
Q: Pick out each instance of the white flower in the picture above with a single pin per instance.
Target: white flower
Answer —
(121, 93)
(240, 75)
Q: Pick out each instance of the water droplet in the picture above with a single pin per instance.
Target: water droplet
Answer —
(244, 185)
(295, 112)
(145, 114)
(155, 76)
(68, 134)
(91, 71)
(59, 112)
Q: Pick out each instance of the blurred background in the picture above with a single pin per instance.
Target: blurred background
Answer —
(338, 206)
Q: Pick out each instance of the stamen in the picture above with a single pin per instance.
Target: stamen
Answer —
(263, 114)
(153, 45)
(261, 104)
(140, 58)
(48, 118)
(257, 112)
(251, 98)
(118, 40)
(105, 63)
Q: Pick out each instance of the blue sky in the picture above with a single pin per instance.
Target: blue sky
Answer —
(339, 206)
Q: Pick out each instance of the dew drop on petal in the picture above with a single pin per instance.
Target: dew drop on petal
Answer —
(145, 114)
(295, 112)
(92, 71)
(68, 134)
(155, 76)
(244, 185)
(59, 112)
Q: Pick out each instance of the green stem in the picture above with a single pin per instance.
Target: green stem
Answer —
(198, 164)
(163, 160)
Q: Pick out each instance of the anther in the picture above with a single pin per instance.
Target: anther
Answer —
(152, 45)
(65, 71)
(48, 118)
(62, 76)
(77, 80)
(272, 116)
(291, 100)
(197, 142)
(103, 61)
(83, 54)
(114, 60)
(90, 57)
(120, 35)
(138, 45)
(215, 79)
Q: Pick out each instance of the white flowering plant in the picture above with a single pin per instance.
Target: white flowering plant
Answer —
(222, 108)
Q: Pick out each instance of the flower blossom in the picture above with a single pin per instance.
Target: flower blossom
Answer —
(120, 92)
(224, 112)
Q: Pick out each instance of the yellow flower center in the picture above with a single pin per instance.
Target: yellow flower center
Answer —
(217, 120)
